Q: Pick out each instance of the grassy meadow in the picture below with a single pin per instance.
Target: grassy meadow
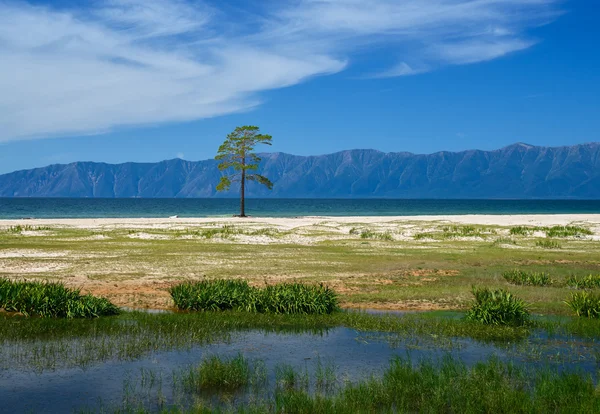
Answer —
(386, 265)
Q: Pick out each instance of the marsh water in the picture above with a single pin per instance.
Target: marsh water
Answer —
(150, 381)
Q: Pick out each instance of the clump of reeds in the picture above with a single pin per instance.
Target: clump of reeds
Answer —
(521, 277)
(450, 387)
(221, 374)
(587, 282)
(284, 298)
(497, 307)
(211, 295)
(548, 244)
(51, 299)
(585, 304)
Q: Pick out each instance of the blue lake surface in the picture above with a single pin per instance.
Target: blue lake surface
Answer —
(17, 208)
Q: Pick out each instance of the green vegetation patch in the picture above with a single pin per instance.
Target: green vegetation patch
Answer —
(585, 304)
(497, 307)
(51, 300)
(284, 298)
(450, 387)
(521, 277)
(548, 244)
(554, 231)
(567, 231)
(587, 282)
(216, 373)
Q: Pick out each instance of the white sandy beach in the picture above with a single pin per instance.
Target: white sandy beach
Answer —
(480, 219)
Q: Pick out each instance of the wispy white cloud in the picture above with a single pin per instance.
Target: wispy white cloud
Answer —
(112, 63)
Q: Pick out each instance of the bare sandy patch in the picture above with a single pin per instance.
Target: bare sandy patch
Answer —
(25, 253)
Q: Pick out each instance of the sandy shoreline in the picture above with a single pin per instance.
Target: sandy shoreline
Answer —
(480, 219)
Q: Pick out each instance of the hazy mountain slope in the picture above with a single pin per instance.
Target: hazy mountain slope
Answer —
(517, 171)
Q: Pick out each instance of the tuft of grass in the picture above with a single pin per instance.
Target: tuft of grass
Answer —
(521, 277)
(215, 373)
(554, 231)
(548, 244)
(51, 300)
(587, 282)
(521, 231)
(497, 307)
(284, 298)
(567, 231)
(370, 234)
(504, 240)
(211, 295)
(19, 228)
(585, 304)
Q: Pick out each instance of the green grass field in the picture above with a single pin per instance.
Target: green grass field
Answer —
(400, 265)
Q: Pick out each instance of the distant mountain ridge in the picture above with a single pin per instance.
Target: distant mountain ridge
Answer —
(516, 171)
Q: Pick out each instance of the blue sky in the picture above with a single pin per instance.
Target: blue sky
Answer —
(147, 80)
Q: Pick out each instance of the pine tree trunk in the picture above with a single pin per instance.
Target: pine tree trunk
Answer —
(243, 190)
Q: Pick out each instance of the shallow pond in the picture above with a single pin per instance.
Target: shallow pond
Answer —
(150, 381)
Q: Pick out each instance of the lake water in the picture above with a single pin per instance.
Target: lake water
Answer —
(17, 208)
(105, 386)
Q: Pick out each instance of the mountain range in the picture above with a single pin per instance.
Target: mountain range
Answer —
(516, 171)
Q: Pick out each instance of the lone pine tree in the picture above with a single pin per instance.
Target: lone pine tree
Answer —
(236, 154)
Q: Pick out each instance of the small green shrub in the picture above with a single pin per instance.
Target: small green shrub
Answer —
(548, 244)
(521, 231)
(461, 231)
(504, 240)
(497, 307)
(585, 304)
(285, 298)
(354, 231)
(51, 299)
(422, 236)
(370, 234)
(567, 231)
(587, 282)
(520, 277)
